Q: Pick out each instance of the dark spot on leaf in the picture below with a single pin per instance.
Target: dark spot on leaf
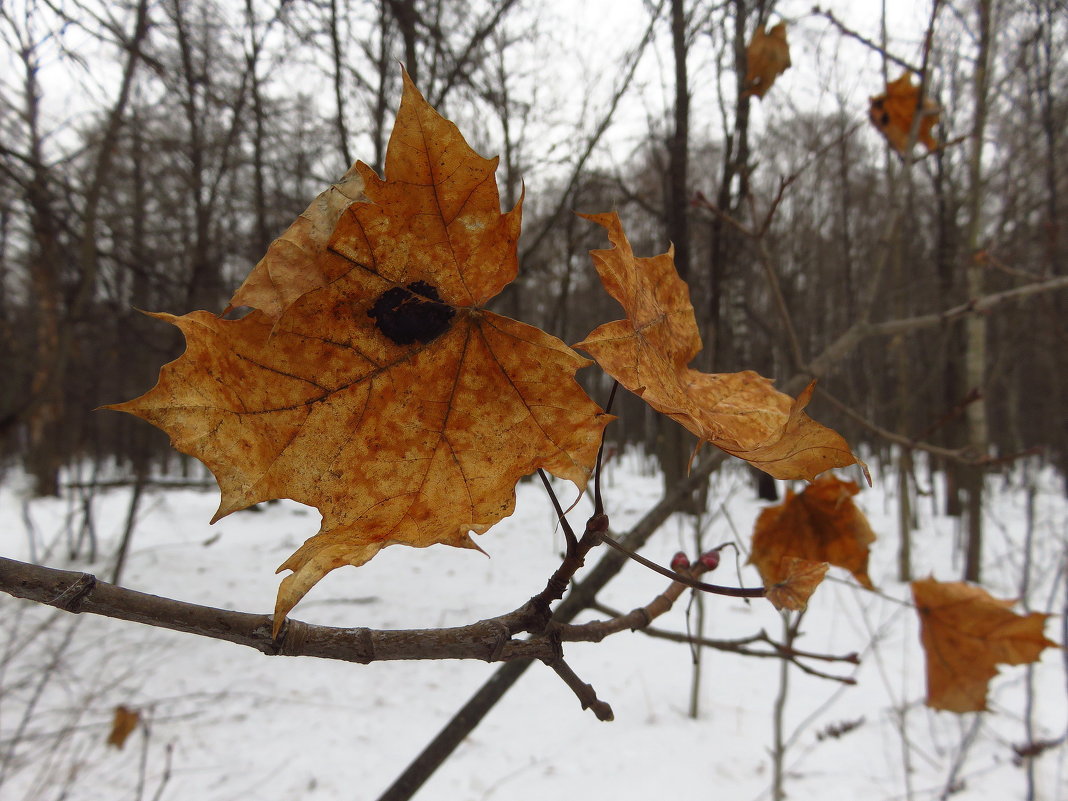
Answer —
(414, 313)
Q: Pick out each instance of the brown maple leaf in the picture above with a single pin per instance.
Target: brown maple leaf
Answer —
(797, 580)
(298, 261)
(894, 112)
(966, 632)
(821, 524)
(122, 726)
(386, 397)
(767, 57)
(648, 353)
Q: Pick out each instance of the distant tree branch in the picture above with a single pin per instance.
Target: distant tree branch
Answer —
(962, 455)
(978, 305)
(847, 31)
(861, 330)
(464, 60)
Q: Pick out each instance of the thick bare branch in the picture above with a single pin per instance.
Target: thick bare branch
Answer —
(489, 640)
(81, 592)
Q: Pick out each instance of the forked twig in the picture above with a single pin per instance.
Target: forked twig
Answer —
(586, 694)
(740, 646)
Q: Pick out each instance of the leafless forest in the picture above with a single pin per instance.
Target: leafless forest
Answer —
(151, 151)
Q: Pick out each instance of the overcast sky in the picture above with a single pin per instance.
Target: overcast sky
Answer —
(592, 37)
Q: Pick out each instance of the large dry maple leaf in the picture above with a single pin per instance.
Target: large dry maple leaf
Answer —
(386, 397)
(821, 524)
(965, 633)
(648, 353)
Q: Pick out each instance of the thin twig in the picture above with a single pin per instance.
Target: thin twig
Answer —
(586, 694)
(961, 455)
(636, 619)
(557, 584)
(847, 31)
(737, 646)
(715, 589)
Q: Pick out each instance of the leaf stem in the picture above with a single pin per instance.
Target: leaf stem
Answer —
(598, 505)
(569, 533)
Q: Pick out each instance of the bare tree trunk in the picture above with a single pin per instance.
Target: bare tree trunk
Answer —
(778, 718)
(904, 516)
(203, 282)
(46, 414)
(947, 260)
(676, 444)
(55, 325)
(339, 86)
(1045, 63)
(975, 326)
(407, 17)
(724, 239)
(45, 410)
(383, 64)
(263, 233)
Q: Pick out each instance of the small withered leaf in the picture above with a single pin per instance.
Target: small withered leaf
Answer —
(966, 633)
(649, 353)
(893, 113)
(123, 724)
(820, 523)
(767, 57)
(798, 579)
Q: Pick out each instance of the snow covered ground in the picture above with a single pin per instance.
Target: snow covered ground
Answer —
(229, 723)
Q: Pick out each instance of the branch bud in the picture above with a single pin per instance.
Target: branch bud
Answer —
(710, 560)
(680, 562)
(598, 524)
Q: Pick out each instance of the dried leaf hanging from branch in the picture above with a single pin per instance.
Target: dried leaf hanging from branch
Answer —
(821, 524)
(767, 57)
(648, 353)
(893, 113)
(966, 633)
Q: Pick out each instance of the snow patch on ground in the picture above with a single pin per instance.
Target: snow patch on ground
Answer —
(229, 723)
